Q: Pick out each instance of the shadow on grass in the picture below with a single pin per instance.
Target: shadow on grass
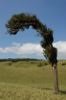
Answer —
(62, 91)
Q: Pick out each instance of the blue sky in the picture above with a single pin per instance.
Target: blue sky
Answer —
(50, 12)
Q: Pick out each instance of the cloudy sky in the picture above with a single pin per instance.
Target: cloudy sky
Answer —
(27, 44)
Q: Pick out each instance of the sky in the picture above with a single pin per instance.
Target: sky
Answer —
(27, 44)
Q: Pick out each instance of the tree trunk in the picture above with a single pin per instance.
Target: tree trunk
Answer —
(56, 85)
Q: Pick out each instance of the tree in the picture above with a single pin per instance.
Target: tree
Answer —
(24, 21)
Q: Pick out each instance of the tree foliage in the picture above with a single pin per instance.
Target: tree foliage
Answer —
(24, 21)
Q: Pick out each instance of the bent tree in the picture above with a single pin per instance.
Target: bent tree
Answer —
(24, 21)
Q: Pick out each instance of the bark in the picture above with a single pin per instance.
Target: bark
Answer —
(56, 85)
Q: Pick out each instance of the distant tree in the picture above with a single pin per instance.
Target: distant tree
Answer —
(24, 21)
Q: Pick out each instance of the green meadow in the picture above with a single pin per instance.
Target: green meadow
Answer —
(30, 80)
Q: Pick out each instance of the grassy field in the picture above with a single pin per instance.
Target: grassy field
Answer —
(30, 80)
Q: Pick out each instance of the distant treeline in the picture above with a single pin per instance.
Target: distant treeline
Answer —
(19, 59)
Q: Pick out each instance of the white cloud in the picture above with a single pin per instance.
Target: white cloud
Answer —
(31, 48)
(61, 46)
(27, 48)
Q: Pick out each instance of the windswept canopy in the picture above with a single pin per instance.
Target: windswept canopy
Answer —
(24, 21)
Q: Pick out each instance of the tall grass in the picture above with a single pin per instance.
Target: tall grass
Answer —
(25, 80)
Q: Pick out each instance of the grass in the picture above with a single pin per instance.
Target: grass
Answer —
(26, 80)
